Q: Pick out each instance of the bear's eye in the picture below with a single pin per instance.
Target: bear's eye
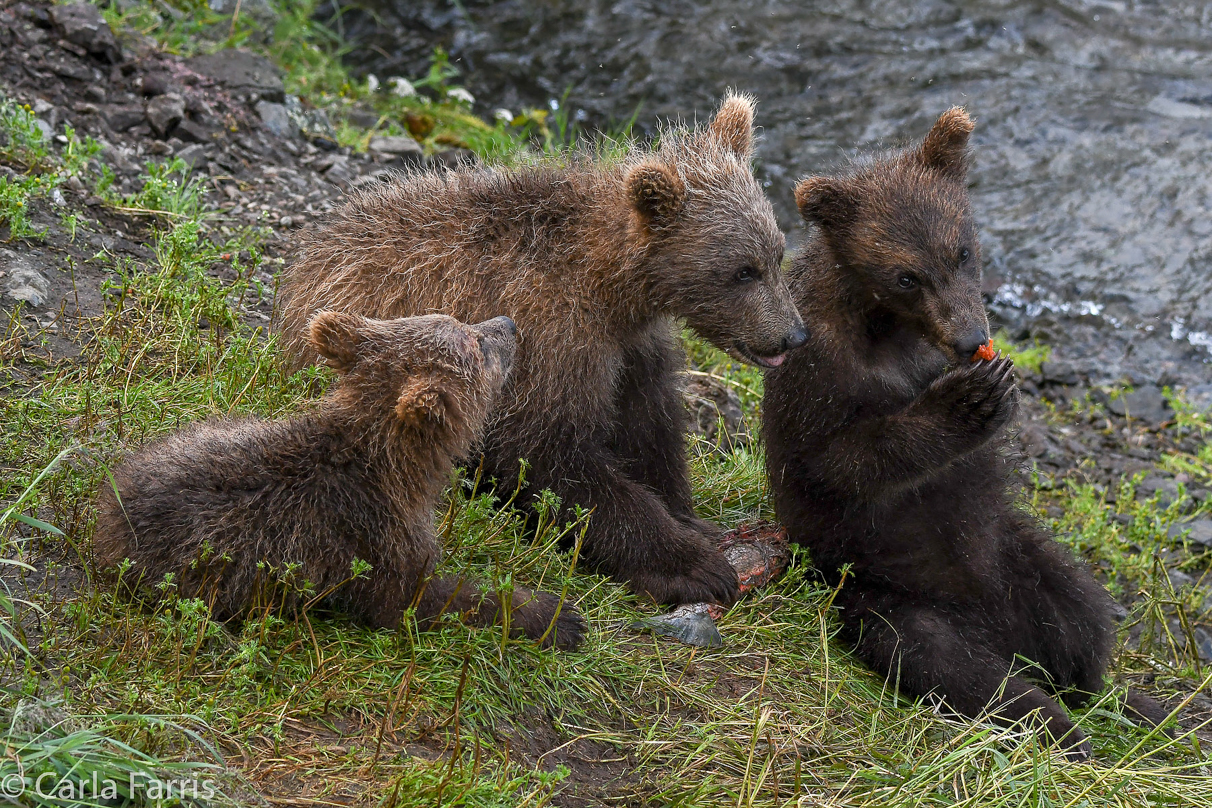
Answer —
(745, 275)
(964, 255)
(906, 282)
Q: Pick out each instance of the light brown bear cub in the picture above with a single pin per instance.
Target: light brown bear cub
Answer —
(595, 260)
(356, 478)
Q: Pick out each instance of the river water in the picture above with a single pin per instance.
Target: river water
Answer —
(1093, 174)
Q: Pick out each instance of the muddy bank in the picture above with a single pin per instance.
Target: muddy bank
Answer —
(1092, 177)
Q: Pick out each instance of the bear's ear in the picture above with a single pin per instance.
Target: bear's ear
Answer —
(337, 337)
(827, 201)
(421, 401)
(656, 192)
(945, 148)
(733, 124)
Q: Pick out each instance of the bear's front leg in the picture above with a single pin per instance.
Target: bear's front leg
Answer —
(631, 536)
(649, 430)
(959, 412)
(535, 615)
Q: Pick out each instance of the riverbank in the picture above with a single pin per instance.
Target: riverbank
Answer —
(147, 202)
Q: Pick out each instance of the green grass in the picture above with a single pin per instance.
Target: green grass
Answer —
(314, 705)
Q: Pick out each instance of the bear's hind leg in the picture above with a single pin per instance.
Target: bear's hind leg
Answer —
(1065, 624)
(925, 651)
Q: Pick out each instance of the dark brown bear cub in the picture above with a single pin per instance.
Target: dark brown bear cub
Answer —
(226, 503)
(881, 451)
(594, 259)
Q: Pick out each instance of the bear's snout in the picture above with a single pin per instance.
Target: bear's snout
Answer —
(966, 345)
(797, 337)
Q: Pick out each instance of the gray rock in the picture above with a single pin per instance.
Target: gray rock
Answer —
(395, 145)
(1180, 580)
(362, 118)
(194, 156)
(164, 112)
(192, 132)
(1034, 439)
(1144, 404)
(1059, 371)
(82, 24)
(1200, 396)
(276, 119)
(691, 623)
(1164, 486)
(21, 280)
(1203, 644)
(122, 118)
(339, 171)
(242, 72)
(1196, 532)
(261, 11)
(313, 123)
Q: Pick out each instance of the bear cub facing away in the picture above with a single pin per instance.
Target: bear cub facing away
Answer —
(594, 259)
(881, 453)
(358, 477)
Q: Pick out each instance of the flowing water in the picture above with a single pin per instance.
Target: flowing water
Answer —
(1093, 174)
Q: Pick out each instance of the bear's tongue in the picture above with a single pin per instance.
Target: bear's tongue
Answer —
(773, 361)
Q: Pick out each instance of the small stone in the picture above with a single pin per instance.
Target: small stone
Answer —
(1196, 532)
(156, 83)
(1034, 439)
(362, 118)
(276, 119)
(1180, 580)
(1145, 403)
(1162, 485)
(194, 156)
(192, 132)
(1059, 371)
(22, 282)
(95, 94)
(242, 72)
(164, 112)
(1203, 644)
(691, 623)
(1119, 611)
(122, 118)
(286, 221)
(396, 145)
(83, 25)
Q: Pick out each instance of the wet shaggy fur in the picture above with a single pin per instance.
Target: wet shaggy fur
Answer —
(226, 505)
(882, 452)
(594, 260)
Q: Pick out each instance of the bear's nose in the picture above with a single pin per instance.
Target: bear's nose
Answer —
(795, 339)
(966, 345)
(511, 325)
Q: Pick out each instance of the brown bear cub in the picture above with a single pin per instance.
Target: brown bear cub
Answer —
(227, 504)
(882, 452)
(595, 259)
